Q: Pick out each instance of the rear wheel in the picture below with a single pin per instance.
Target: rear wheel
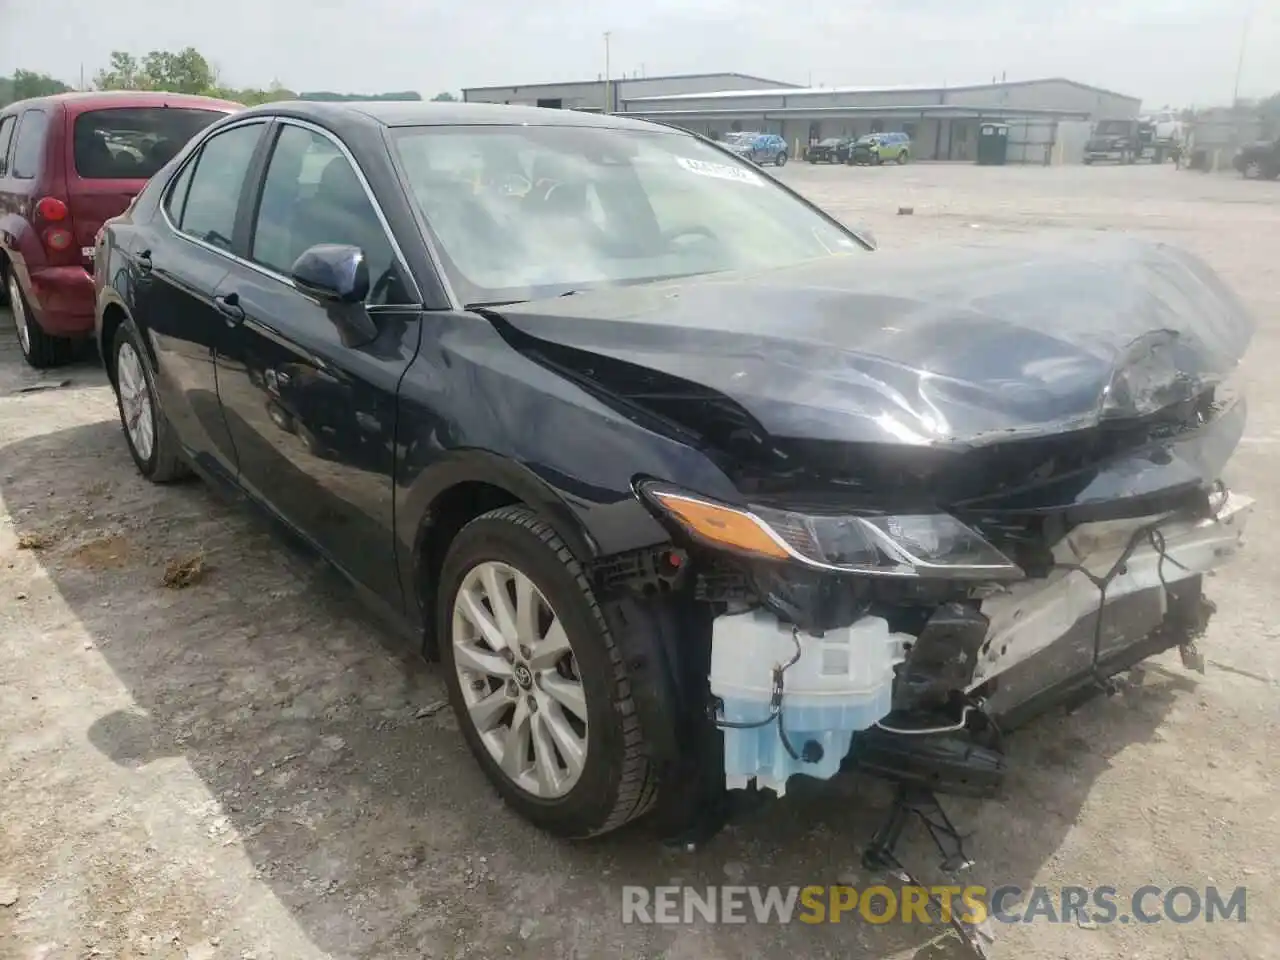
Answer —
(1252, 170)
(902, 157)
(780, 159)
(536, 680)
(151, 440)
(40, 350)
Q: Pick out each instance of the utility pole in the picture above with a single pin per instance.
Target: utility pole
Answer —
(608, 83)
(1244, 42)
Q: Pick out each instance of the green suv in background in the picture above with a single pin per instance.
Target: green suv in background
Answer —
(878, 148)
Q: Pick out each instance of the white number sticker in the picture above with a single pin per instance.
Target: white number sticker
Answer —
(722, 171)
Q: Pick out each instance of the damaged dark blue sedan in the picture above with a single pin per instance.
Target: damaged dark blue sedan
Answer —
(688, 489)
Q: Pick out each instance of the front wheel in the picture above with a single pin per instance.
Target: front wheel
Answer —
(780, 159)
(536, 680)
(147, 432)
(902, 157)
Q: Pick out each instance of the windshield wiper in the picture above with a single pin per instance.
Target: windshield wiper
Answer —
(489, 304)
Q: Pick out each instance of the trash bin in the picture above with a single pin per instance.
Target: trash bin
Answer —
(993, 144)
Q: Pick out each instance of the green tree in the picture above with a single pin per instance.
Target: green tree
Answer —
(28, 83)
(186, 71)
(445, 97)
(125, 73)
(1269, 113)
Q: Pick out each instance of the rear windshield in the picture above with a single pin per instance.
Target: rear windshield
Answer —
(133, 143)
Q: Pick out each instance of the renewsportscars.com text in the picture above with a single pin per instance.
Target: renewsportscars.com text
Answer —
(910, 904)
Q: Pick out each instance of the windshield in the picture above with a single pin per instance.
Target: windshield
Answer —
(521, 212)
(133, 143)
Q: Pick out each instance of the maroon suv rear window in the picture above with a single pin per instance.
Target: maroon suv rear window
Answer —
(132, 143)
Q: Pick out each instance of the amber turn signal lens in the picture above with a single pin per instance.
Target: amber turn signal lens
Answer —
(721, 525)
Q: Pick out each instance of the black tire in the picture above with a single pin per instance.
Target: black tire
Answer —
(618, 781)
(165, 463)
(39, 349)
(902, 158)
(781, 159)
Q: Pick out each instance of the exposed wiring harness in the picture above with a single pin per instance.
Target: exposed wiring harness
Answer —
(1155, 537)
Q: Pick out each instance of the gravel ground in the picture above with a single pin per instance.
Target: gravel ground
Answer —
(249, 767)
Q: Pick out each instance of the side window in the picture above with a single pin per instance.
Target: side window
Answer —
(26, 155)
(213, 194)
(6, 138)
(175, 201)
(312, 195)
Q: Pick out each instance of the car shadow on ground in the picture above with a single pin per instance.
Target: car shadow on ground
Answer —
(319, 739)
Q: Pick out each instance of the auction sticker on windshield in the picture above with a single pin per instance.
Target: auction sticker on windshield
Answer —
(722, 171)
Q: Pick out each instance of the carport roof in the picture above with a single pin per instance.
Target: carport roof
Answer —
(909, 88)
(910, 110)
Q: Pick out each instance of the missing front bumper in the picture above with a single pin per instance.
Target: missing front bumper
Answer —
(1017, 654)
(1045, 639)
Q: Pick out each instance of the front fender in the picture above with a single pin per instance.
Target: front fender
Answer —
(415, 506)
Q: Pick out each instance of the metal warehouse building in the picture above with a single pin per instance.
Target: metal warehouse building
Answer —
(608, 96)
(1049, 119)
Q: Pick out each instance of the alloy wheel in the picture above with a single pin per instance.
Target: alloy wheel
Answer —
(19, 308)
(135, 401)
(519, 679)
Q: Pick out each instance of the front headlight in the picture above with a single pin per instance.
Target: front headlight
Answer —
(904, 545)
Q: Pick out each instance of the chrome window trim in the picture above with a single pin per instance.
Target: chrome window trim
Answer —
(414, 291)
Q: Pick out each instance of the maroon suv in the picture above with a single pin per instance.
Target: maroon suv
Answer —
(68, 163)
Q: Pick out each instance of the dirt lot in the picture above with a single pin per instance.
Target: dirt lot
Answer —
(238, 769)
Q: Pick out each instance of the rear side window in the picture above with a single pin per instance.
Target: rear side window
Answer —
(133, 143)
(214, 193)
(30, 146)
(6, 138)
(176, 201)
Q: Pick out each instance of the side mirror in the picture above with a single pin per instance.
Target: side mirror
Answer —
(333, 271)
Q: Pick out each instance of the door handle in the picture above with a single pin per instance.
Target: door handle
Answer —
(143, 261)
(229, 307)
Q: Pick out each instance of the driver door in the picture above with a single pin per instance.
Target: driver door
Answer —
(311, 405)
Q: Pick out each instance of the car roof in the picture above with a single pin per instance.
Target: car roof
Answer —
(80, 100)
(420, 113)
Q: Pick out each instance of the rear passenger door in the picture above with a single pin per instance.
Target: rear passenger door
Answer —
(311, 409)
(18, 237)
(8, 203)
(176, 264)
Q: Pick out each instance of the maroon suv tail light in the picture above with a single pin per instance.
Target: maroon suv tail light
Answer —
(53, 215)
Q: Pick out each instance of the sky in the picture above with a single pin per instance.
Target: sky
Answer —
(1175, 52)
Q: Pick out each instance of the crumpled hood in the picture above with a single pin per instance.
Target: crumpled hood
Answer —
(964, 344)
